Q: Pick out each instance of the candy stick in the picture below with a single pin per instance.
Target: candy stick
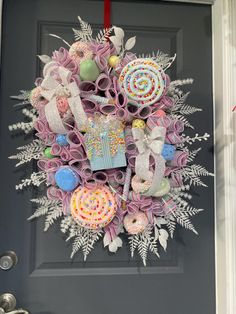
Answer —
(101, 100)
(127, 184)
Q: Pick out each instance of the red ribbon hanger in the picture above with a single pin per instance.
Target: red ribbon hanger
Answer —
(107, 13)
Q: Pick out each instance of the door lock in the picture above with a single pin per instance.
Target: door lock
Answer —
(8, 260)
(8, 305)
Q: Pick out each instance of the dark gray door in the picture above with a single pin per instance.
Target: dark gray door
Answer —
(45, 279)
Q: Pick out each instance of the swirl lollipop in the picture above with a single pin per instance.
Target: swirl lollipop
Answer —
(143, 81)
(93, 208)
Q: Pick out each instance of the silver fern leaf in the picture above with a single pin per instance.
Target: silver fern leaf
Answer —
(91, 237)
(163, 59)
(192, 154)
(46, 205)
(183, 220)
(103, 35)
(183, 119)
(24, 96)
(66, 223)
(85, 34)
(171, 225)
(29, 152)
(193, 173)
(179, 100)
(52, 216)
(144, 242)
(85, 240)
(185, 110)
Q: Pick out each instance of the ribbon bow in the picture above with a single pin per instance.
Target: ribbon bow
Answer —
(153, 141)
(53, 88)
(150, 144)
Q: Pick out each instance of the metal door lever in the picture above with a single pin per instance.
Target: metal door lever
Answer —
(8, 305)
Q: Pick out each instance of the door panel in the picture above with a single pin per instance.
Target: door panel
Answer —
(46, 280)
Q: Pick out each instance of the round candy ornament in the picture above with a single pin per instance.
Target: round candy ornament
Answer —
(160, 113)
(163, 189)
(61, 140)
(113, 61)
(66, 178)
(138, 123)
(143, 80)
(93, 208)
(47, 153)
(89, 70)
(168, 151)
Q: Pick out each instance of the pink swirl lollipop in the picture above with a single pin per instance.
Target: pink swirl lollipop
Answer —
(93, 208)
(143, 80)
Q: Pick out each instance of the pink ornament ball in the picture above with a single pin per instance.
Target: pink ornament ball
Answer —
(160, 113)
(135, 223)
(62, 104)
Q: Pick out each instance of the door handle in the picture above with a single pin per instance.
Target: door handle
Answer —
(8, 305)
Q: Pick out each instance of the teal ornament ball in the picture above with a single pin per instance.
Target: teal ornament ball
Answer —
(89, 70)
(67, 179)
(61, 140)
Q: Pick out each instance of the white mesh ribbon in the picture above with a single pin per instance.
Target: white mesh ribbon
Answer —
(148, 144)
(52, 88)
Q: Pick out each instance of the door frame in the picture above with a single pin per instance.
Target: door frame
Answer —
(224, 78)
(224, 95)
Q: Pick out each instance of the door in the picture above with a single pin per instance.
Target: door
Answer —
(45, 280)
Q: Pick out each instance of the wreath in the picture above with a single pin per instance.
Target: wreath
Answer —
(110, 145)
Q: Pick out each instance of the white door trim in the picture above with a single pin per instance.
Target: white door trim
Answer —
(224, 74)
(224, 79)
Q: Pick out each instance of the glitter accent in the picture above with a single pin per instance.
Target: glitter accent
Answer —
(105, 138)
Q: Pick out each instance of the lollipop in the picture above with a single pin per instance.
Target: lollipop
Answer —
(143, 81)
(93, 208)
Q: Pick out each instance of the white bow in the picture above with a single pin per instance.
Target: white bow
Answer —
(153, 141)
(147, 144)
(52, 89)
